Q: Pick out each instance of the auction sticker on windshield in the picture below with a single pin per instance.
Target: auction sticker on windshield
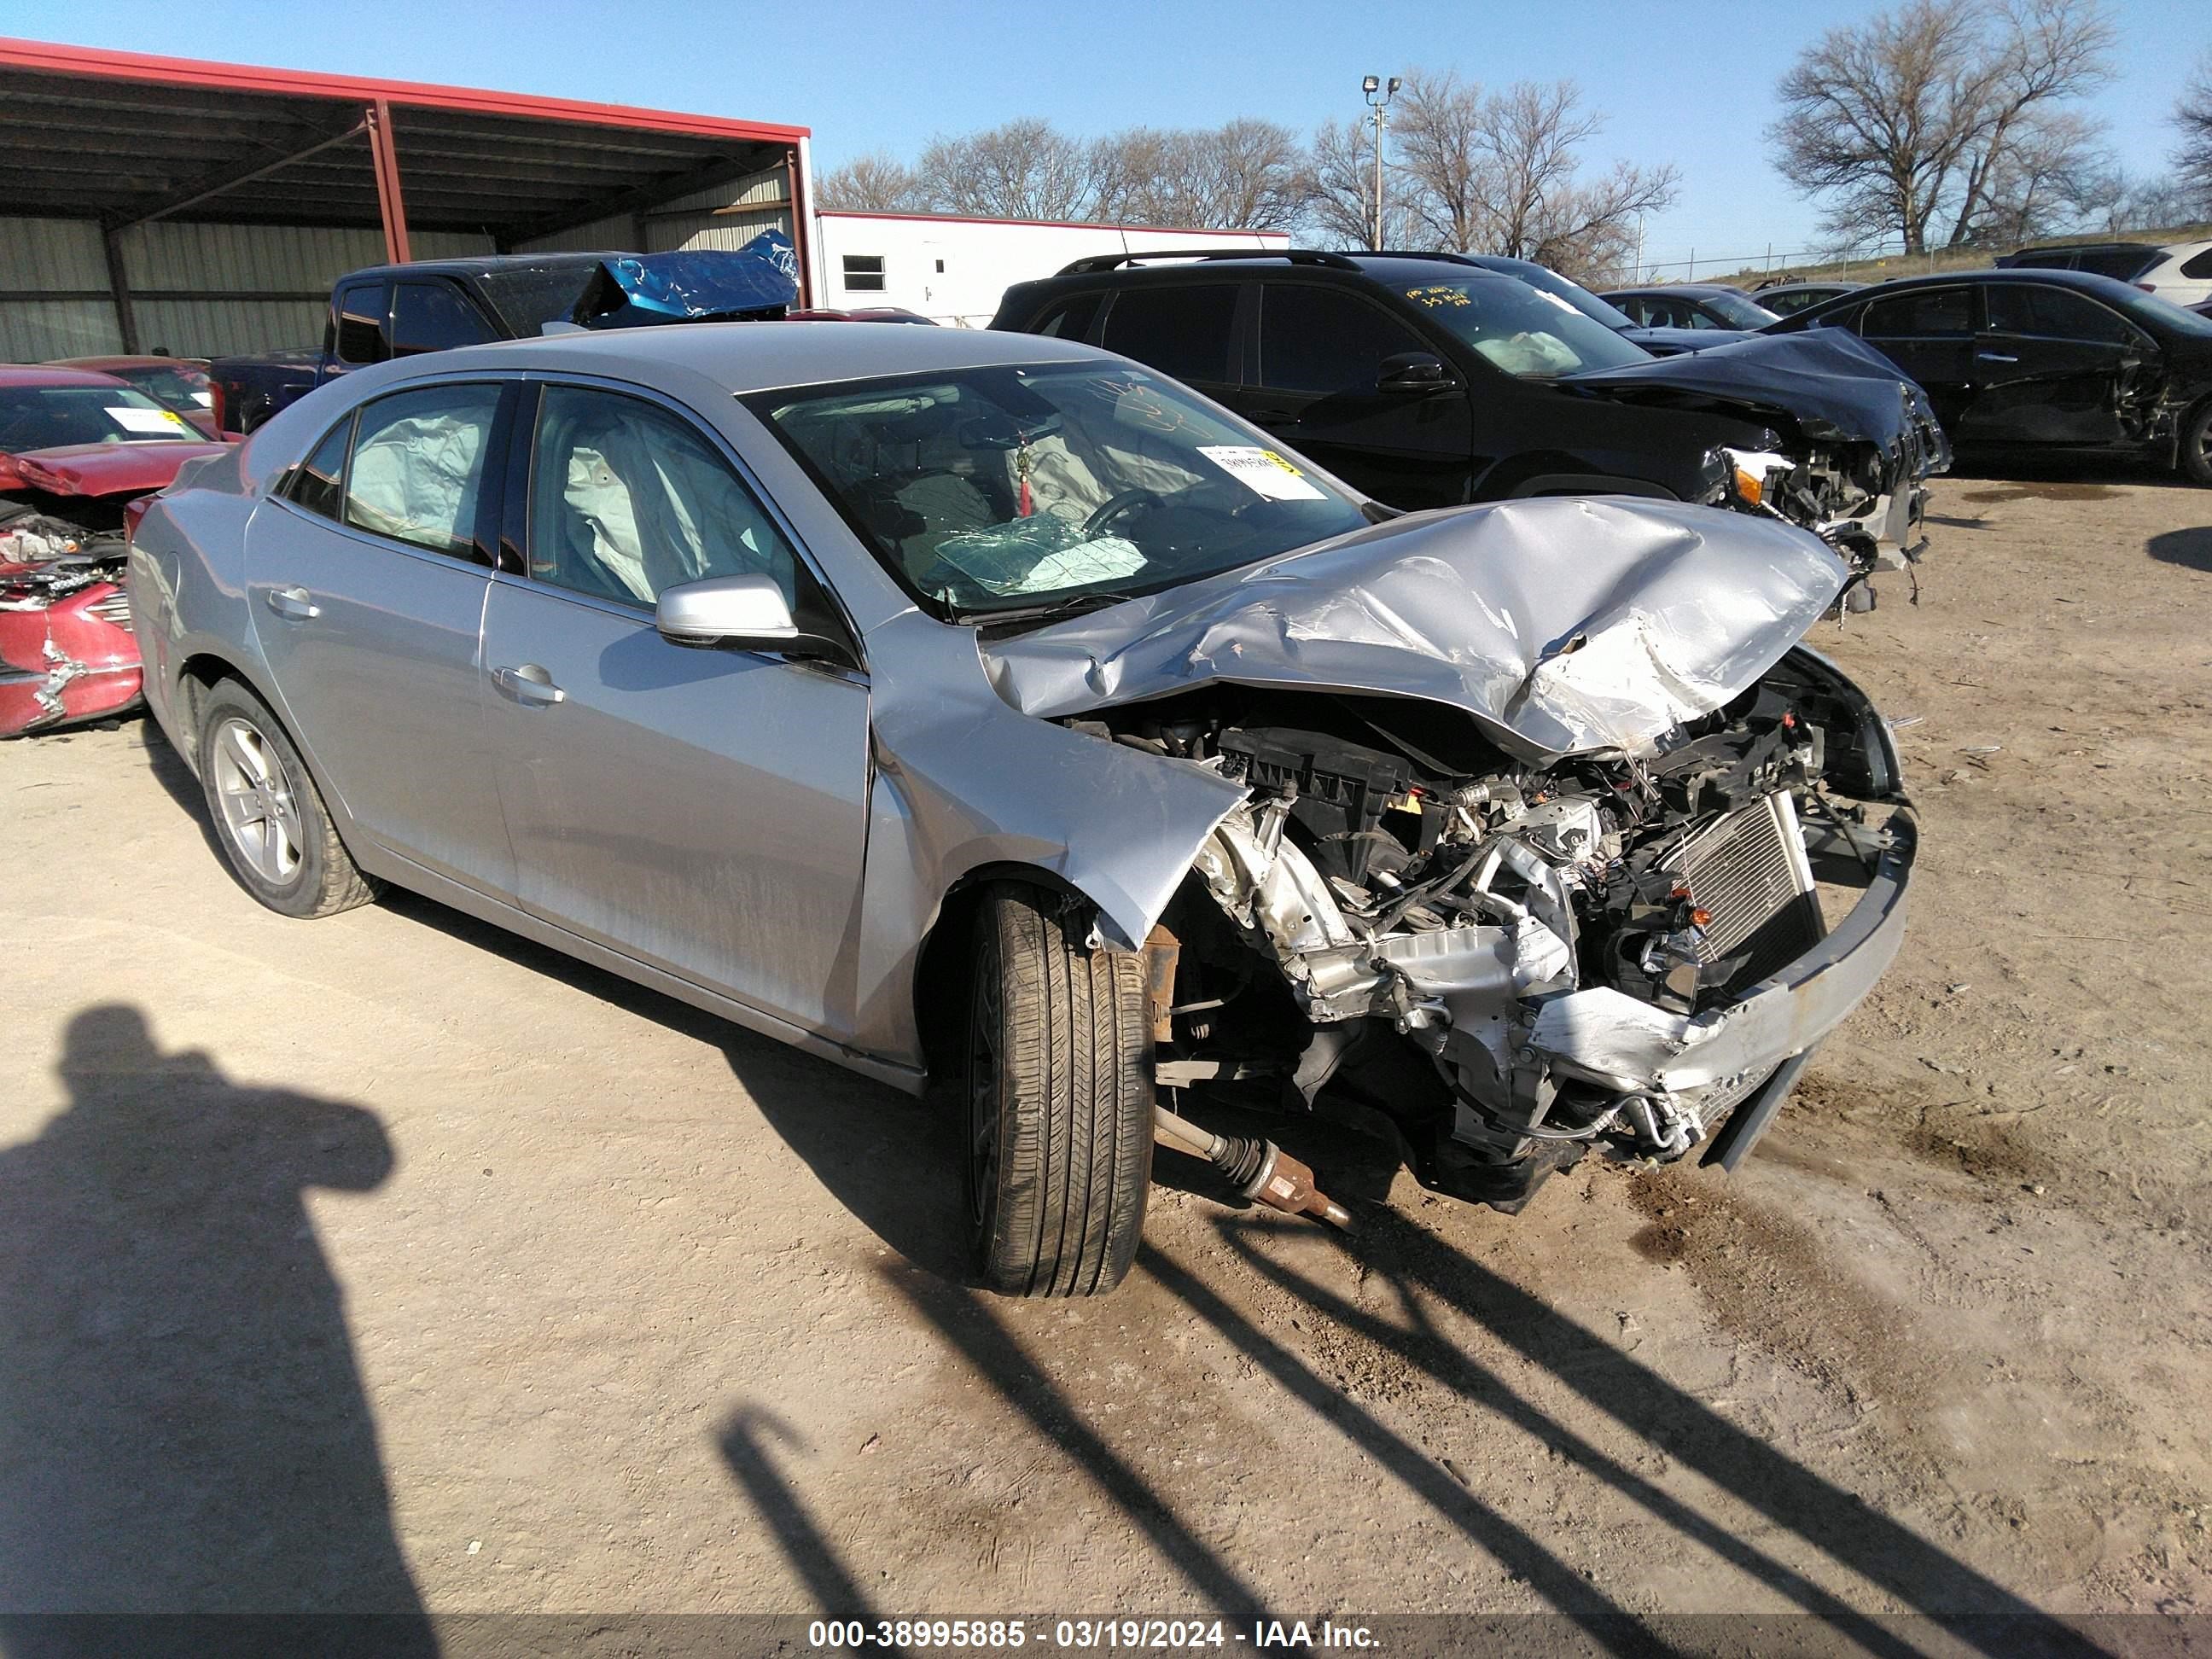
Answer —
(1262, 471)
(145, 420)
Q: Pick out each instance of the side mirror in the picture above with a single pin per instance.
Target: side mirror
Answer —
(1414, 371)
(746, 613)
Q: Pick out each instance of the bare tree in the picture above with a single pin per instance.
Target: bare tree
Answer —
(1340, 190)
(1025, 169)
(1247, 175)
(2052, 176)
(2192, 162)
(1444, 155)
(1905, 121)
(872, 184)
(1502, 173)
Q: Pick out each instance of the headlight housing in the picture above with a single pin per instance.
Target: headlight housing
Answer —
(1754, 474)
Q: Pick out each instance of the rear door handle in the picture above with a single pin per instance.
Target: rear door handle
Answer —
(529, 683)
(294, 604)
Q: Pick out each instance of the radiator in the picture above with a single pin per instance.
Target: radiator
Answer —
(1748, 872)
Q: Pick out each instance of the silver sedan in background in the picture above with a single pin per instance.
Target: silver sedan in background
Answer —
(987, 709)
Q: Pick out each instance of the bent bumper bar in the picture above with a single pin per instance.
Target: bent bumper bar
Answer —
(1601, 1033)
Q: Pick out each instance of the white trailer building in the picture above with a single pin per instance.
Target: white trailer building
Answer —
(952, 269)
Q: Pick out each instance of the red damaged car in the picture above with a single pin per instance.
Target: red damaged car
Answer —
(75, 449)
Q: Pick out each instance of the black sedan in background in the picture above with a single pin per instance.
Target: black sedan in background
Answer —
(2055, 359)
(1691, 305)
(1787, 299)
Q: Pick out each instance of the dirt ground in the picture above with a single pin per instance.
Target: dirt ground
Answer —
(390, 1262)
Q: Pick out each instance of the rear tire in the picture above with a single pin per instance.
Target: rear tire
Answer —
(268, 814)
(1059, 1100)
(2194, 456)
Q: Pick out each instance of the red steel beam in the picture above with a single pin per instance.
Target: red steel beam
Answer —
(390, 207)
(49, 58)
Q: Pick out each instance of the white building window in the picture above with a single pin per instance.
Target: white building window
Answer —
(864, 272)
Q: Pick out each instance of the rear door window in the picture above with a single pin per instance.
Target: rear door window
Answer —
(2122, 264)
(315, 484)
(433, 317)
(1186, 331)
(418, 467)
(1923, 314)
(2053, 313)
(1325, 340)
(360, 314)
(1071, 319)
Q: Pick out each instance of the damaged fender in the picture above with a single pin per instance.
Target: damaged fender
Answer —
(963, 783)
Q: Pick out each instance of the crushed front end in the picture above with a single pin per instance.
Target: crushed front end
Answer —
(1515, 962)
(1847, 448)
(1866, 498)
(66, 654)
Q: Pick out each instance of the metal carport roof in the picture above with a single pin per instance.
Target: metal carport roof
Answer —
(125, 139)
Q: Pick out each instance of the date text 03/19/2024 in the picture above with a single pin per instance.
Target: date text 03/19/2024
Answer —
(1006, 1635)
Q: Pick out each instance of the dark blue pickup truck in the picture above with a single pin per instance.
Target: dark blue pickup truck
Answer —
(396, 311)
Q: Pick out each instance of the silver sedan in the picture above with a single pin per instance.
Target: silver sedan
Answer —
(987, 708)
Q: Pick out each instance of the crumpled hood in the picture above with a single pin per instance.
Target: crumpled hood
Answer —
(108, 469)
(1832, 385)
(1561, 626)
(1666, 340)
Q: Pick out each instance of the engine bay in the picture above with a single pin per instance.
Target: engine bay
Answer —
(1398, 898)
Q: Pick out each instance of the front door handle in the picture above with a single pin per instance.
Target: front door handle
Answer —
(294, 604)
(529, 683)
(1993, 357)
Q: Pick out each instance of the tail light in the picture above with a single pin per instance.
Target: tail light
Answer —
(2148, 288)
(216, 408)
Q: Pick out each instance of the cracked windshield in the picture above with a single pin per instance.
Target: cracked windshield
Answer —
(1002, 490)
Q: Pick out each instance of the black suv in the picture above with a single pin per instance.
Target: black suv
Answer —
(1429, 380)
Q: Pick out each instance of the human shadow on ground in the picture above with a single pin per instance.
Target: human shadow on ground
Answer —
(183, 1428)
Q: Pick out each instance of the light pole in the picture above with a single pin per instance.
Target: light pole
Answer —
(1378, 99)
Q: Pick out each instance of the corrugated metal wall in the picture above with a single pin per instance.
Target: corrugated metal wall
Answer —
(197, 289)
(726, 217)
(205, 290)
(53, 291)
(202, 290)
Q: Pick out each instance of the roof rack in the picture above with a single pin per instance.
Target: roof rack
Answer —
(1425, 253)
(1093, 263)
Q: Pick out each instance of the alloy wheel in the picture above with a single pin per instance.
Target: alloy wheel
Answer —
(260, 809)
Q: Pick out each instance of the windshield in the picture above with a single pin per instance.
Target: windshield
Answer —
(178, 387)
(1544, 280)
(49, 416)
(1523, 330)
(989, 490)
(527, 297)
(1739, 310)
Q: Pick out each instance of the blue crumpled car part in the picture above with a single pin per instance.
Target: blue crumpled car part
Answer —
(642, 289)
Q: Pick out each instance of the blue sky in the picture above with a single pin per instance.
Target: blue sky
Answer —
(1675, 82)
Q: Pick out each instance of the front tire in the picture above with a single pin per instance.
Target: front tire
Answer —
(270, 819)
(1059, 1100)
